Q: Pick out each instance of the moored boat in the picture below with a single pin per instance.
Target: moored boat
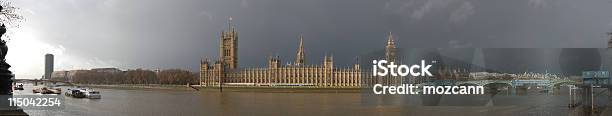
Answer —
(76, 93)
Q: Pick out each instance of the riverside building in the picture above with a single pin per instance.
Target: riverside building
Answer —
(225, 71)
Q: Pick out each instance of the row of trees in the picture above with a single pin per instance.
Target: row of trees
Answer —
(138, 76)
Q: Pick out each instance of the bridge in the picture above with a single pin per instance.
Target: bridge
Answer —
(513, 83)
(41, 81)
(547, 84)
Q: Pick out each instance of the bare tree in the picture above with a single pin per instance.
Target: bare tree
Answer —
(177, 76)
(10, 16)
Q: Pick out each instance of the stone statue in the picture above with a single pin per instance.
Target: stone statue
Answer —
(5, 74)
(11, 18)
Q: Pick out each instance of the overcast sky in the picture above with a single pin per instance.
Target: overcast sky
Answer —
(166, 34)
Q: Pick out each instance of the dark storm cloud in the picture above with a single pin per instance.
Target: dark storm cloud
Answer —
(177, 33)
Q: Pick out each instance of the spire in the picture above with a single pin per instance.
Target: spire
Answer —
(204, 60)
(229, 23)
(390, 41)
(299, 59)
(390, 48)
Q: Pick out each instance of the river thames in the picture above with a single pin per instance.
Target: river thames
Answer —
(117, 102)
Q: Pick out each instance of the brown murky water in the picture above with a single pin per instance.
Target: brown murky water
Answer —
(117, 102)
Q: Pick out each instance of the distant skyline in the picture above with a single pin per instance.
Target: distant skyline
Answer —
(151, 34)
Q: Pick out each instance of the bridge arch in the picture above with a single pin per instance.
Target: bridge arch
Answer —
(498, 84)
(468, 84)
(560, 83)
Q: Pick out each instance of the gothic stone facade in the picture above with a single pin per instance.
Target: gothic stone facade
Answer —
(325, 75)
(225, 71)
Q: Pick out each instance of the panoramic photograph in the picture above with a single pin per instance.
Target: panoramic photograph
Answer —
(305, 58)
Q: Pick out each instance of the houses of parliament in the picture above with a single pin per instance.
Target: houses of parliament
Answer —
(225, 70)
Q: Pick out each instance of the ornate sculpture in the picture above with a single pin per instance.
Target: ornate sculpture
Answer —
(9, 18)
(5, 75)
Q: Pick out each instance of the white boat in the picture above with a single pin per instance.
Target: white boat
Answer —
(76, 93)
(91, 94)
(19, 86)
